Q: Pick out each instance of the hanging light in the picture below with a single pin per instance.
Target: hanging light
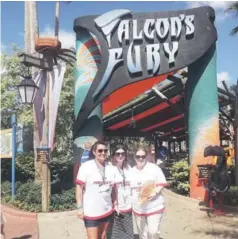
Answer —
(132, 123)
(27, 88)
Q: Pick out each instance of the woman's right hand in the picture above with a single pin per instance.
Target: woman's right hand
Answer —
(80, 213)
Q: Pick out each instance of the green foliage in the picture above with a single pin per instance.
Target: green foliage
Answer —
(25, 166)
(180, 175)
(10, 102)
(233, 9)
(28, 197)
(61, 168)
(63, 201)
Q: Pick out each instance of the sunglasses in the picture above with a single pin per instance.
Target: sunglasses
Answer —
(140, 156)
(117, 154)
(102, 150)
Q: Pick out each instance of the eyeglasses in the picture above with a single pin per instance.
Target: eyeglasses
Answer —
(118, 154)
(102, 150)
(140, 156)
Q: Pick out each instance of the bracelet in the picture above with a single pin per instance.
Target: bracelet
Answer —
(79, 206)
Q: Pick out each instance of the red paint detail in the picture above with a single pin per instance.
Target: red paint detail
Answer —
(100, 217)
(162, 123)
(181, 136)
(79, 182)
(125, 211)
(162, 184)
(129, 92)
(179, 129)
(146, 113)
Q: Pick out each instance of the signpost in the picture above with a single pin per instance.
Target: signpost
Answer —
(13, 153)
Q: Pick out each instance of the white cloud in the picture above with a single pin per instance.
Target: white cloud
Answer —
(219, 7)
(66, 38)
(3, 47)
(223, 76)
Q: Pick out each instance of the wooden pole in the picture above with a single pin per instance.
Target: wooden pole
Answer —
(45, 144)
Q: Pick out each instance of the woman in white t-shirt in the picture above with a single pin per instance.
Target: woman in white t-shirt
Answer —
(95, 181)
(147, 208)
(122, 226)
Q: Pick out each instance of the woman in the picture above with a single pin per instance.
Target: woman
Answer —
(95, 181)
(151, 155)
(148, 208)
(122, 222)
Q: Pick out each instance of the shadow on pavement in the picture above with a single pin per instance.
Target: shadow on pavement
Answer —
(23, 237)
(220, 233)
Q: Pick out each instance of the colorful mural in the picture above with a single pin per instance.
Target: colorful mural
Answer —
(88, 60)
(203, 115)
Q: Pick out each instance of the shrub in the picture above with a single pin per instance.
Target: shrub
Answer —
(180, 177)
(25, 169)
(63, 201)
(28, 197)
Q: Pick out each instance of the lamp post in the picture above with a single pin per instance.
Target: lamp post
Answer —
(28, 91)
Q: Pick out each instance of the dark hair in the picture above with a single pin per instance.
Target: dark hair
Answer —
(95, 145)
(119, 146)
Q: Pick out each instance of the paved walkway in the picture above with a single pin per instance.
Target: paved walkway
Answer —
(184, 219)
(18, 227)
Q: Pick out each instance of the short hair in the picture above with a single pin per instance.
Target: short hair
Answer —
(95, 145)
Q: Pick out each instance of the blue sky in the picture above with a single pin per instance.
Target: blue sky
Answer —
(12, 21)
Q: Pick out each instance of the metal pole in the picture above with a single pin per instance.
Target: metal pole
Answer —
(13, 153)
(236, 133)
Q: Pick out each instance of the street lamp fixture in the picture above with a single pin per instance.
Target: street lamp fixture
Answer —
(27, 88)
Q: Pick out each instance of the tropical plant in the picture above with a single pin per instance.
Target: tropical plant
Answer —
(233, 9)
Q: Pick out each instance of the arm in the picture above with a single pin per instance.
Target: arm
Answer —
(115, 198)
(80, 183)
(160, 183)
(79, 200)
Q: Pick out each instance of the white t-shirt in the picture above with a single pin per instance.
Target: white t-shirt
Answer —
(97, 197)
(150, 172)
(123, 189)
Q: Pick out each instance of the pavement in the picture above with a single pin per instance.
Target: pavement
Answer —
(184, 218)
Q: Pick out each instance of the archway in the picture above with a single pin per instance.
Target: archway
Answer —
(121, 54)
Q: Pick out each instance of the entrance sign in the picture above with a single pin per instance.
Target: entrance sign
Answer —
(120, 48)
(138, 46)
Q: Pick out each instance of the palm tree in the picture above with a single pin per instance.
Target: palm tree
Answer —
(57, 13)
(233, 8)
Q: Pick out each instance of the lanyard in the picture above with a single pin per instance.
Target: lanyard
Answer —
(102, 172)
(123, 175)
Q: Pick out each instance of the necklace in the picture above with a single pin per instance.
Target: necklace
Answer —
(101, 171)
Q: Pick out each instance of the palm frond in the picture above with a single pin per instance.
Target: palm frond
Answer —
(234, 31)
(233, 8)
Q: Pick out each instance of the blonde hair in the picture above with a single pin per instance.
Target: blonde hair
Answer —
(142, 149)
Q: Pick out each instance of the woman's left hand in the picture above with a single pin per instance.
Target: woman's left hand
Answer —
(155, 192)
(152, 196)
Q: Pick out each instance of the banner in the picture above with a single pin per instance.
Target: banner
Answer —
(39, 79)
(55, 83)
